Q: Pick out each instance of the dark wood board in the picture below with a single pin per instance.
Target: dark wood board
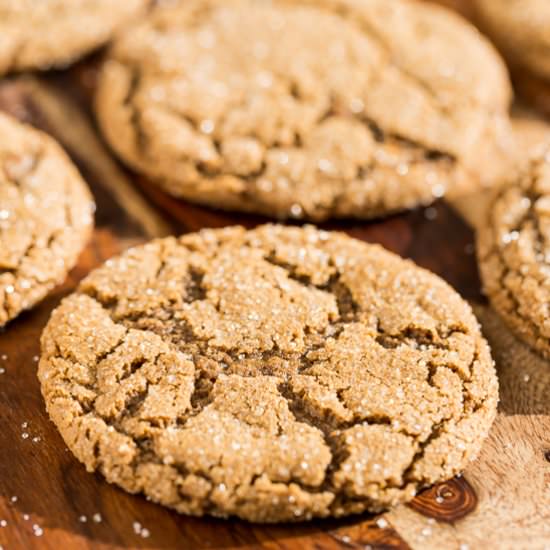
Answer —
(45, 491)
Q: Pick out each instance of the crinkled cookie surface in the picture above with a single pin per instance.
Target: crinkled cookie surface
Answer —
(275, 374)
(307, 109)
(46, 216)
(514, 254)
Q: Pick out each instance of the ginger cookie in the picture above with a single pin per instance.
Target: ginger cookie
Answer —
(521, 29)
(309, 109)
(46, 216)
(514, 254)
(276, 374)
(45, 33)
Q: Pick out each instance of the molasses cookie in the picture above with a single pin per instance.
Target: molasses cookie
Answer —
(45, 216)
(521, 29)
(309, 109)
(276, 374)
(45, 33)
(514, 254)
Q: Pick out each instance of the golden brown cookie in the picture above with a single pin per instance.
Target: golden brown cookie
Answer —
(39, 34)
(45, 216)
(521, 29)
(514, 254)
(275, 374)
(306, 108)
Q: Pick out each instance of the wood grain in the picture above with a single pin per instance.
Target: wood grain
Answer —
(447, 502)
(502, 500)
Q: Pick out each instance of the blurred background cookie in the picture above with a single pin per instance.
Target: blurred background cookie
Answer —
(514, 253)
(46, 216)
(521, 29)
(49, 33)
(306, 109)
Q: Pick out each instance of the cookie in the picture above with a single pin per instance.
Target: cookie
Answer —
(275, 374)
(364, 108)
(521, 29)
(39, 35)
(45, 216)
(514, 254)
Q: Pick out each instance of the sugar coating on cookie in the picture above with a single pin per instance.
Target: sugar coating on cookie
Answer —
(306, 108)
(521, 29)
(276, 374)
(514, 253)
(39, 34)
(46, 216)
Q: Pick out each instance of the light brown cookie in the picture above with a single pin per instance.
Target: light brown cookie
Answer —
(45, 33)
(307, 108)
(275, 374)
(532, 135)
(521, 29)
(45, 216)
(514, 254)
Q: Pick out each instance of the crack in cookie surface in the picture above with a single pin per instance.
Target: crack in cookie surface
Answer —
(342, 120)
(514, 253)
(235, 372)
(45, 217)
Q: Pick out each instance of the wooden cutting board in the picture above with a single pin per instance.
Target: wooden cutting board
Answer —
(47, 500)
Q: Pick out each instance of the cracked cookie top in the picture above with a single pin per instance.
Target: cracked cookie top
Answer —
(45, 33)
(306, 108)
(521, 28)
(275, 374)
(514, 253)
(46, 216)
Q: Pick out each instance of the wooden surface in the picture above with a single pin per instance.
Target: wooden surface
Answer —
(533, 89)
(502, 500)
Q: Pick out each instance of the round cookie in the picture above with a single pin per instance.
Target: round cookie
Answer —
(45, 33)
(275, 374)
(514, 254)
(521, 28)
(45, 216)
(365, 107)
